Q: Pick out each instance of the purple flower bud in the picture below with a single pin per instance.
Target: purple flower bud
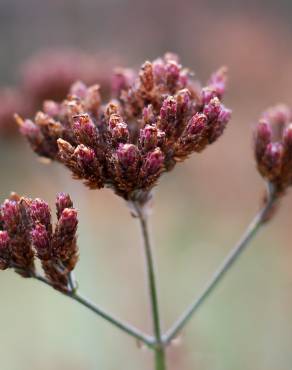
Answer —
(213, 108)
(196, 124)
(183, 98)
(114, 119)
(85, 156)
(148, 138)
(68, 221)
(63, 201)
(41, 241)
(120, 132)
(146, 76)
(128, 155)
(168, 110)
(153, 162)
(273, 159)
(40, 212)
(10, 214)
(85, 129)
(263, 136)
(207, 94)
(159, 71)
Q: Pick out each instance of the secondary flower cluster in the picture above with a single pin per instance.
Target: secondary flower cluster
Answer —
(158, 118)
(48, 74)
(26, 232)
(273, 147)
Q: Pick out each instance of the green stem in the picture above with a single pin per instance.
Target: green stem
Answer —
(251, 231)
(159, 350)
(127, 328)
(160, 363)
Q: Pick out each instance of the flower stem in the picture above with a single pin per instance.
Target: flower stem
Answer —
(159, 350)
(251, 231)
(125, 327)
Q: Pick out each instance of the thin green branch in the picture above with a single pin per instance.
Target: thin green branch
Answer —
(125, 327)
(251, 231)
(159, 350)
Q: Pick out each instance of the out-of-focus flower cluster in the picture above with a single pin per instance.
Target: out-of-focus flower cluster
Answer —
(156, 119)
(26, 233)
(48, 75)
(273, 147)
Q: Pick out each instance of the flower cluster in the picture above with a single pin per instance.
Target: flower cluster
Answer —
(48, 74)
(26, 232)
(273, 147)
(156, 119)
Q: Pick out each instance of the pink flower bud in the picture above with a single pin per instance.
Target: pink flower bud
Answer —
(10, 214)
(153, 162)
(196, 124)
(85, 156)
(128, 155)
(168, 111)
(212, 109)
(263, 136)
(148, 138)
(40, 212)
(68, 221)
(273, 159)
(63, 201)
(85, 129)
(41, 241)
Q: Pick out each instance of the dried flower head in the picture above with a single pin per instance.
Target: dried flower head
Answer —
(158, 118)
(273, 147)
(27, 232)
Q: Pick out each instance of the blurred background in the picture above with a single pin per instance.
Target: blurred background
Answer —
(200, 209)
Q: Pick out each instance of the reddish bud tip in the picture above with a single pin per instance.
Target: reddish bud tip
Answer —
(63, 201)
(153, 162)
(128, 155)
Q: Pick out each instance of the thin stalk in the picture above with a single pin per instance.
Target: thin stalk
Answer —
(125, 327)
(249, 234)
(159, 350)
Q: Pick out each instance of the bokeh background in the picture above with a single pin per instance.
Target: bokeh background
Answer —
(200, 209)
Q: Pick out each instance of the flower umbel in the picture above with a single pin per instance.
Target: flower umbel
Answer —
(158, 118)
(26, 232)
(273, 147)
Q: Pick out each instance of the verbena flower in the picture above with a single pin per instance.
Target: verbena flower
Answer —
(273, 147)
(26, 233)
(158, 118)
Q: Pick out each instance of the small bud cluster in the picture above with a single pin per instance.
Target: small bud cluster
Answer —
(26, 232)
(157, 118)
(273, 147)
